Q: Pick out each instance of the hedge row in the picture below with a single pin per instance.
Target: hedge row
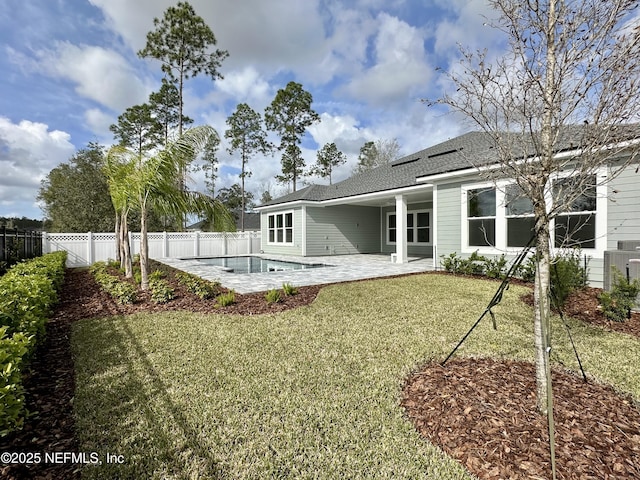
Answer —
(28, 292)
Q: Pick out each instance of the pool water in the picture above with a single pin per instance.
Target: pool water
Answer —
(248, 264)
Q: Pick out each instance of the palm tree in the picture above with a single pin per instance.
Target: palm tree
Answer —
(117, 173)
(151, 183)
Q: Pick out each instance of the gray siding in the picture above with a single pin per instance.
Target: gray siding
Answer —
(448, 217)
(344, 229)
(449, 230)
(623, 218)
(415, 250)
(296, 248)
(623, 222)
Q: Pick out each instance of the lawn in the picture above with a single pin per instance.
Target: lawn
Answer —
(308, 393)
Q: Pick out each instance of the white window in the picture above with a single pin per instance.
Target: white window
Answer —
(280, 228)
(520, 218)
(481, 217)
(500, 218)
(418, 228)
(576, 225)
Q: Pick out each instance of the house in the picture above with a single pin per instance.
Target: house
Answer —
(251, 223)
(438, 201)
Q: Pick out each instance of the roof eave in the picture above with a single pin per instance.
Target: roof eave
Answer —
(349, 199)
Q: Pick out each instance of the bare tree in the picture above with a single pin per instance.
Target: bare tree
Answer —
(561, 101)
(373, 154)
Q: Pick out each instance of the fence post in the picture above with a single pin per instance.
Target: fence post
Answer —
(90, 248)
(249, 240)
(224, 242)
(196, 244)
(165, 245)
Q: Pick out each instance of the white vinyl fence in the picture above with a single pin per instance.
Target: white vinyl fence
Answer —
(84, 249)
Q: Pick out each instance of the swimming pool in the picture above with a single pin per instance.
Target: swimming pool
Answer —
(251, 264)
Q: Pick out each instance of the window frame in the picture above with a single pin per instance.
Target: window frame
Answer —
(514, 216)
(501, 225)
(277, 230)
(465, 218)
(592, 217)
(414, 227)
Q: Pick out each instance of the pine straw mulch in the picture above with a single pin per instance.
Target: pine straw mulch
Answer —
(479, 411)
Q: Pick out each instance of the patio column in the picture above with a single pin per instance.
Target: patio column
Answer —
(401, 229)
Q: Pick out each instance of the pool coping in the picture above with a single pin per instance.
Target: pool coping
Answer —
(339, 268)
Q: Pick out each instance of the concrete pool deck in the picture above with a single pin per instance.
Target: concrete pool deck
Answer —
(340, 268)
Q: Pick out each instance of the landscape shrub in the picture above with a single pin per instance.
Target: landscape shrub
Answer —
(527, 269)
(475, 264)
(200, 287)
(273, 296)
(161, 291)
(157, 275)
(289, 289)
(13, 352)
(226, 299)
(451, 263)
(122, 291)
(137, 274)
(568, 270)
(496, 267)
(28, 292)
(567, 275)
(617, 304)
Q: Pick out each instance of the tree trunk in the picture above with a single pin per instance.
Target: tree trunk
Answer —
(118, 242)
(541, 326)
(144, 250)
(125, 247)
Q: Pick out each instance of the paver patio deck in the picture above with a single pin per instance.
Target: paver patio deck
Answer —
(339, 268)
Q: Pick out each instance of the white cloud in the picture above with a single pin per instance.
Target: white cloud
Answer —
(343, 130)
(99, 122)
(98, 73)
(28, 151)
(132, 20)
(275, 34)
(468, 28)
(401, 68)
(246, 86)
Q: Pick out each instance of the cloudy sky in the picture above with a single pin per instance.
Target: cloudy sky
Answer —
(69, 68)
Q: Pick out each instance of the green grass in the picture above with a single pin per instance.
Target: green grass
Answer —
(309, 393)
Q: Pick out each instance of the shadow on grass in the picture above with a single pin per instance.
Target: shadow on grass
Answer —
(169, 446)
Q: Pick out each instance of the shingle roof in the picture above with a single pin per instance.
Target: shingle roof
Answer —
(470, 150)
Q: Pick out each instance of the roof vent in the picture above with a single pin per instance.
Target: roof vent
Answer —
(404, 162)
(442, 154)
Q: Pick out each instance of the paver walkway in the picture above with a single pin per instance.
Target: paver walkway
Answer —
(340, 268)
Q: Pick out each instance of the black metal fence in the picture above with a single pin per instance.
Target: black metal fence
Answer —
(16, 244)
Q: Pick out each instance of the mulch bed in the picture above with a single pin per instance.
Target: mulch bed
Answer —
(464, 408)
(483, 413)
